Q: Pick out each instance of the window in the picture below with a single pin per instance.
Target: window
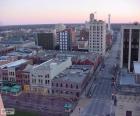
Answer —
(77, 94)
(40, 76)
(71, 86)
(52, 91)
(66, 85)
(56, 84)
(128, 113)
(76, 86)
(61, 85)
(41, 81)
(46, 82)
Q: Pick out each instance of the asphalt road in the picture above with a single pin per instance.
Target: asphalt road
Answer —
(101, 103)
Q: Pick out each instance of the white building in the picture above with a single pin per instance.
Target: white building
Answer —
(97, 35)
(42, 75)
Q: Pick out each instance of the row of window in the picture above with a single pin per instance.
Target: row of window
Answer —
(95, 47)
(63, 33)
(23, 76)
(65, 85)
(94, 37)
(96, 32)
(20, 81)
(46, 76)
(65, 43)
(40, 81)
(96, 43)
(63, 36)
(63, 40)
(132, 40)
(5, 78)
(65, 92)
(11, 73)
(23, 81)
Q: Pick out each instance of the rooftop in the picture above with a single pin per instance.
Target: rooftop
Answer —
(47, 64)
(15, 63)
(75, 73)
(127, 84)
(131, 25)
(126, 78)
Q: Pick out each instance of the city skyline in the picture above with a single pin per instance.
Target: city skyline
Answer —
(14, 12)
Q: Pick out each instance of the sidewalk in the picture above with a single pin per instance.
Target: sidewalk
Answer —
(83, 102)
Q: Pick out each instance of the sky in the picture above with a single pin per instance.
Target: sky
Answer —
(14, 12)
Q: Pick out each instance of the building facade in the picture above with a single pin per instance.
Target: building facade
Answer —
(41, 75)
(46, 40)
(130, 45)
(97, 35)
(128, 93)
(13, 72)
(72, 81)
(65, 39)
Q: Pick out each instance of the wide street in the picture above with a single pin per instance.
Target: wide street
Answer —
(101, 100)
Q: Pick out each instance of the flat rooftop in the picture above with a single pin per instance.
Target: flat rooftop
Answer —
(14, 64)
(127, 84)
(131, 26)
(127, 79)
(75, 73)
(55, 61)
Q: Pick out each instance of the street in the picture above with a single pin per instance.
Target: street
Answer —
(102, 103)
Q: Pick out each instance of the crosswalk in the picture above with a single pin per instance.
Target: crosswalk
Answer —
(103, 99)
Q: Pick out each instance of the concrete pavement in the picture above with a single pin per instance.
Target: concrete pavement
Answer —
(82, 104)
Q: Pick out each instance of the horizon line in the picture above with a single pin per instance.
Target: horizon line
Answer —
(61, 23)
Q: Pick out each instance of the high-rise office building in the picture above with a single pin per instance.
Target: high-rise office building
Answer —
(46, 40)
(97, 35)
(65, 39)
(130, 45)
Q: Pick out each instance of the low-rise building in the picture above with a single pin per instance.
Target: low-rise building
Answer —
(128, 96)
(82, 44)
(6, 49)
(72, 81)
(23, 75)
(7, 59)
(77, 57)
(9, 71)
(41, 75)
